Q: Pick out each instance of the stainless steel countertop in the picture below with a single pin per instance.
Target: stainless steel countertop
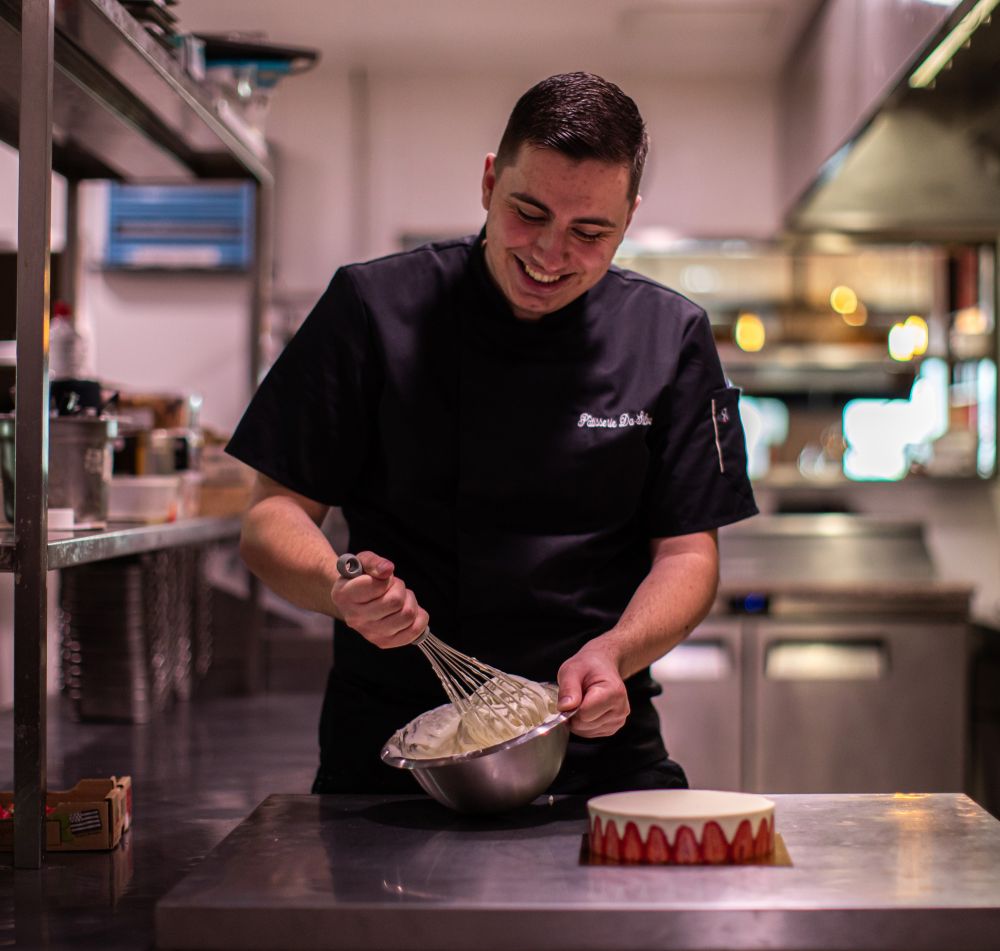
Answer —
(914, 872)
(68, 548)
(834, 564)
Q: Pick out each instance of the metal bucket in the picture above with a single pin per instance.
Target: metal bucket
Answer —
(80, 458)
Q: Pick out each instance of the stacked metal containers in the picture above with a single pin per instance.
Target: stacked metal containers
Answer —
(135, 634)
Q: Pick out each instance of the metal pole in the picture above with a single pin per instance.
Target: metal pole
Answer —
(69, 261)
(32, 430)
(359, 209)
(259, 305)
(262, 278)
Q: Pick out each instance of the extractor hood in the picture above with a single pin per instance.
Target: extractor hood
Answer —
(927, 164)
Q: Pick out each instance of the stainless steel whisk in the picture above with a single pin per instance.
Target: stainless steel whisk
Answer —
(472, 686)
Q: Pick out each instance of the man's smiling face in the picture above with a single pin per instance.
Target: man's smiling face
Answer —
(553, 225)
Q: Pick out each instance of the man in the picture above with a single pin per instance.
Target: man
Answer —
(532, 450)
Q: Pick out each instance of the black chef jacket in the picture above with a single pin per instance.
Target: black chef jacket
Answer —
(513, 470)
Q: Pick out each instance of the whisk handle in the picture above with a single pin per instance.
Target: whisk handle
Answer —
(349, 566)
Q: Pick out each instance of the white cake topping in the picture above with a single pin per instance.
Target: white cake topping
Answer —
(444, 732)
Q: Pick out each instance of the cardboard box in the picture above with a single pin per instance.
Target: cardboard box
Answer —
(226, 484)
(90, 816)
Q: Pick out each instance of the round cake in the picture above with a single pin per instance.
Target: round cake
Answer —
(681, 826)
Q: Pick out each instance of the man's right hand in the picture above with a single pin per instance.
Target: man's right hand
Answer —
(378, 605)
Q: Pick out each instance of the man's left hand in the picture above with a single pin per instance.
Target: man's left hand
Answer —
(589, 682)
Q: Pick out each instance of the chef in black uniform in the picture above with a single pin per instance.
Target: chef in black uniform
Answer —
(532, 449)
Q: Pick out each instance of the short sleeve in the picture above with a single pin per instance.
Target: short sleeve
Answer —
(309, 424)
(698, 474)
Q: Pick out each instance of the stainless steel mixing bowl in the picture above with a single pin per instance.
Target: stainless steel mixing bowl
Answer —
(497, 778)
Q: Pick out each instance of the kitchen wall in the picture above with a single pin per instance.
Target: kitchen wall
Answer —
(363, 160)
(711, 170)
(164, 333)
(8, 203)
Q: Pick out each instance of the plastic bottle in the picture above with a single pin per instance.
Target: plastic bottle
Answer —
(67, 347)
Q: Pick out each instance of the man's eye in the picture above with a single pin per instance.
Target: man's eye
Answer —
(590, 235)
(524, 216)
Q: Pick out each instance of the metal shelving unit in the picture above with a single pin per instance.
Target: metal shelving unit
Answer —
(85, 91)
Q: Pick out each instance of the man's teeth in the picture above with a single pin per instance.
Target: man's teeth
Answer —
(541, 278)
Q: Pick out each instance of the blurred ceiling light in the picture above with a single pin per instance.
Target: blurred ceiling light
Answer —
(903, 341)
(858, 318)
(920, 332)
(843, 300)
(970, 320)
(927, 71)
(749, 332)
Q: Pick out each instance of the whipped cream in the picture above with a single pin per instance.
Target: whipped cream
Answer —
(495, 713)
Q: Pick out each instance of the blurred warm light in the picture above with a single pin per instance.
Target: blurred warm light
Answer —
(970, 320)
(858, 318)
(903, 341)
(920, 333)
(749, 332)
(843, 300)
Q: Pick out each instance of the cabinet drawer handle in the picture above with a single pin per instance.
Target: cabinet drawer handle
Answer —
(697, 660)
(826, 660)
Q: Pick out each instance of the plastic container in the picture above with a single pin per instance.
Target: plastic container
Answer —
(148, 498)
(61, 519)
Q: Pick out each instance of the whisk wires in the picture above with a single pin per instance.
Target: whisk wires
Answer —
(481, 693)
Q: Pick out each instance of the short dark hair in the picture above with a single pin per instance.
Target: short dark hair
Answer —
(584, 117)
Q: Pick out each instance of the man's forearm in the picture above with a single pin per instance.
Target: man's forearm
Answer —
(283, 547)
(670, 602)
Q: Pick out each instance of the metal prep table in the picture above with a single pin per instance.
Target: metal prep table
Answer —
(913, 872)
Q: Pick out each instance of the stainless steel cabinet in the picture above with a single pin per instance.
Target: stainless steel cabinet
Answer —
(863, 706)
(810, 705)
(700, 707)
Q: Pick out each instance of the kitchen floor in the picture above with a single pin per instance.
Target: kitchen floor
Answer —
(196, 774)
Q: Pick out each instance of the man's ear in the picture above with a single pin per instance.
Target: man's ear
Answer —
(489, 179)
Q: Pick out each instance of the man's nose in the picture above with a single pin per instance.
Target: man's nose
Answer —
(550, 248)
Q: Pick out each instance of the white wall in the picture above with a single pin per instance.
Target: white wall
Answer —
(309, 128)
(153, 333)
(711, 170)
(356, 170)
(8, 203)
